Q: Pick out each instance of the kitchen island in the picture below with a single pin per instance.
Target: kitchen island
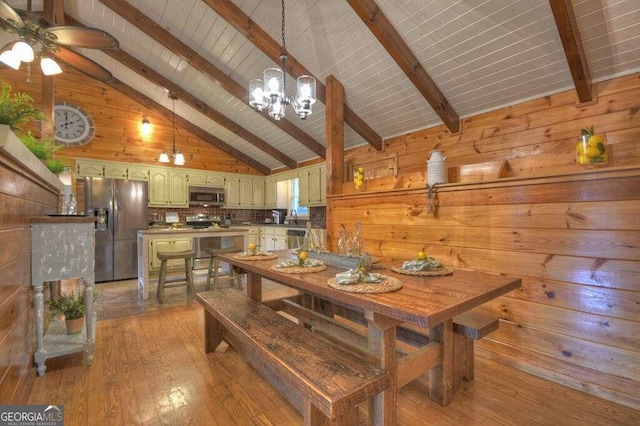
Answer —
(148, 235)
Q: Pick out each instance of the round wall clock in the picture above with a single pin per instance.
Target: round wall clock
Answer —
(73, 125)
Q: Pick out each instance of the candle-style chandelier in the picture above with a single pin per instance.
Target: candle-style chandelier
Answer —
(270, 92)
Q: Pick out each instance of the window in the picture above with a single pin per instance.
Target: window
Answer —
(294, 199)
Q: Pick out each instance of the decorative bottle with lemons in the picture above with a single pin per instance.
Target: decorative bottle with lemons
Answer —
(358, 178)
(591, 149)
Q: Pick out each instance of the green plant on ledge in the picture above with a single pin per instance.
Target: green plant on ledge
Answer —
(43, 148)
(16, 109)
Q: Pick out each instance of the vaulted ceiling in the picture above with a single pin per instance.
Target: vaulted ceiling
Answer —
(405, 65)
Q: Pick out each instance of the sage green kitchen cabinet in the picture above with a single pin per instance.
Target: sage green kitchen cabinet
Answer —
(270, 192)
(245, 192)
(89, 168)
(171, 245)
(312, 185)
(303, 187)
(245, 196)
(273, 238)
(138, 173)
(214, 180)
(232, 187)
(115, 170)
(168, 188)
(257, 201)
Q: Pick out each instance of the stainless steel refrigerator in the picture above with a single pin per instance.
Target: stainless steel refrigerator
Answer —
(121, 209)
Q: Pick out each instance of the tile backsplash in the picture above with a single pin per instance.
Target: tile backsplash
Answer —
(317, 215)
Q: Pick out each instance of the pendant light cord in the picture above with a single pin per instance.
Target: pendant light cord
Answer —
(174, 97)
(283, 57)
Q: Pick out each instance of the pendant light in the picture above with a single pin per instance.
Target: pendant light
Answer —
(270, 92)
(178, 157)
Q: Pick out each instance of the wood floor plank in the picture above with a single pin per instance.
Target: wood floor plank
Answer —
(151, 369)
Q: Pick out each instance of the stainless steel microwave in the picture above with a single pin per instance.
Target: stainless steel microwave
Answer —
(205, 196)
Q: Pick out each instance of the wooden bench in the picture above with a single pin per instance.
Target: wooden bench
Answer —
(467, 327)
(324, 381)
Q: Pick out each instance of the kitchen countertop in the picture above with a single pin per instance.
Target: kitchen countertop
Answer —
(188, 230)
(278, 225)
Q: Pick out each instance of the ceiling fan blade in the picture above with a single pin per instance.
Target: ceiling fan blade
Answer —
(81, 63)
(8, 14)
(91, 38)
(33, 19)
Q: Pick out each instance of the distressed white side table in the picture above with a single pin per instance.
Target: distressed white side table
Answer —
(62, 247)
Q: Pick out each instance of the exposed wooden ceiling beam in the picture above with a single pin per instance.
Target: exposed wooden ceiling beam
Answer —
(570, 36)
(393, 43)
(53, 10)
(132, 63)
(270, 47)
(169, 41)
(149, 103)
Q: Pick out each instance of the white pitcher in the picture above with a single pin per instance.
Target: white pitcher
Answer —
(437, 171)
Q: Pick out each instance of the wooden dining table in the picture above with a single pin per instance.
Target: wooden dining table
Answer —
(427, 302)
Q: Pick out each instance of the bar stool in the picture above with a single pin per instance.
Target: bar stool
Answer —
(214, 265)
(186, 281)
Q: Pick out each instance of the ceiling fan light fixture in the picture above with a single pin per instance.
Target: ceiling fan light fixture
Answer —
(49, 66)
(24, 51)
(164, 157)
(9, 58)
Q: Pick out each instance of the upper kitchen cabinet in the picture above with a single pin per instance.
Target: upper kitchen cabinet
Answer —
(115, 170)
(312, 185)
(245, 192)
(270, 192)
(89, 168)
(138, 173)
(111, 170)
(258, 193)
(214, 180)
(168, 188)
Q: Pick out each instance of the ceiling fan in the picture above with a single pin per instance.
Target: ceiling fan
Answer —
(52, 42)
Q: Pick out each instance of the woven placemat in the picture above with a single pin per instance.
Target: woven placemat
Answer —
(261, 257)
(300, 269)
(445, 270)
(387, 285)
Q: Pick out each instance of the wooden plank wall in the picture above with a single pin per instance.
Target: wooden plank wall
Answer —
(20, 198)
(572, 234)
(118, 122)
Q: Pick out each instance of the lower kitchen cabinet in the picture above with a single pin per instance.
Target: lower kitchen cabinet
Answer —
(254, 235)
(170, 245)
(273, 238)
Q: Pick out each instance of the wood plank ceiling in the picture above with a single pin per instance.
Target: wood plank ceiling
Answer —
(405, 65)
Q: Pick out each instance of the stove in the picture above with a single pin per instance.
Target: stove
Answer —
(199, 221)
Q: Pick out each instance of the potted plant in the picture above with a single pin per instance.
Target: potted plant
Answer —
(71, 306)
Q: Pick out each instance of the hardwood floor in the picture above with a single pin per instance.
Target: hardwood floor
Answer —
(150, 369)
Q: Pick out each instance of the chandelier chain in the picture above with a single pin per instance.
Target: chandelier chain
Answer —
(284, 43)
